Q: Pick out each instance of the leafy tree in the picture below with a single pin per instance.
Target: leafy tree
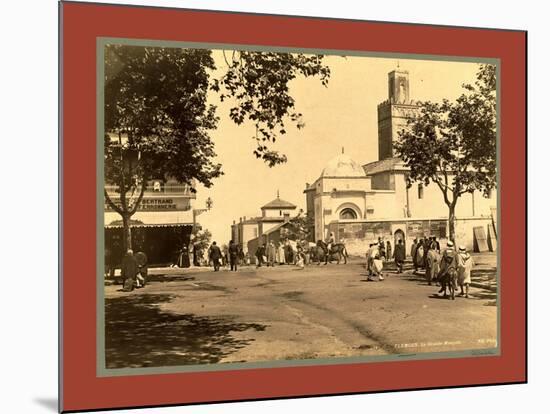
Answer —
(453, 144)
(202, 239)
(259, 84)
(158, 121)
(201, 242)
(302, 226)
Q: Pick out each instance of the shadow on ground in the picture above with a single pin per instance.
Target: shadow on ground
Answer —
(488, 295)
(139, 334)
(418, 277)
(154, 278)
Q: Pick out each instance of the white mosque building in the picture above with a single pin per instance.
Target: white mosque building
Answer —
(360, 203)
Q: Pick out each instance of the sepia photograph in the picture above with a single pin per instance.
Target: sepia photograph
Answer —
(280, 207)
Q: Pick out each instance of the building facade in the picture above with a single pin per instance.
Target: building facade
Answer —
(273, 215)
(360, 203)
(161, 227)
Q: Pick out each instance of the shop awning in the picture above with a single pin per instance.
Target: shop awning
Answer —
(136, 223)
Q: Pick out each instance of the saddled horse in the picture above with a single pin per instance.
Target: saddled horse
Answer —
(320, 252)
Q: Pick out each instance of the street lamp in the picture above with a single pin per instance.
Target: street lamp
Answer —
(209, 203)
(196, 211)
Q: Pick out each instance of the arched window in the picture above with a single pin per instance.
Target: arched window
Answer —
(348, 214)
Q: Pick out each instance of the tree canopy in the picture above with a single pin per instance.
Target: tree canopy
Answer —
(259, 84)
(202, 239)
(158, 120)
(454, 144)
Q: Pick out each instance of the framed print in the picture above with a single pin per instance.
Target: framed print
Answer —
(264, 206)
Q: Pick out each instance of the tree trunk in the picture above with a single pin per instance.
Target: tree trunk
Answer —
(452, 222)
(127, 235)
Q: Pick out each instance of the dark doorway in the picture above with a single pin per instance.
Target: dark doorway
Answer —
(399, 235)
(161, 244)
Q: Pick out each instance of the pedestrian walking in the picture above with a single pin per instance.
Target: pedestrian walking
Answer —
(432, 264)
(399, 255)
(427, 243)
(371, 255)
(300, 257)
(281, 253)
(288, 253)
(305, 251)
(260, 253)
(413, 249)
(241, 260)
(271, 253)
(214, 256)
(388, 251)
(225, 255)
(233, 251)
(418, 257)
(377, 267)
(465, 264)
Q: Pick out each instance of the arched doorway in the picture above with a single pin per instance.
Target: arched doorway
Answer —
(399, 235)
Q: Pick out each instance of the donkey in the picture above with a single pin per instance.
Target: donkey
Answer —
(448, 277)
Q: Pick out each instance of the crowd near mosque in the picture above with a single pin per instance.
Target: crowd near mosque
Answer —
(448, 268)
(284, 252)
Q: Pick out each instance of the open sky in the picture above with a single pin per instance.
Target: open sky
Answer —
(341, 115)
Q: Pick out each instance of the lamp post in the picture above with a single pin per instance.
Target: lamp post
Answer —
(209, 203)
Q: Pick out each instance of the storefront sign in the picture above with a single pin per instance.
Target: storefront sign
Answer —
(159, 204)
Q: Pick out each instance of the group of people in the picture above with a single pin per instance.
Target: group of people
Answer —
(420, 249)
(450, 265)
(231, 255)
(426, 254)
(133, 270)
(290, 252)
(380, 252)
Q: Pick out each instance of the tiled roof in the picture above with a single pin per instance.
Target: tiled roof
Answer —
(279, 203)
(388, 164)
(274, 229)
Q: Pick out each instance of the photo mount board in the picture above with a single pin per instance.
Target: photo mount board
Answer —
(82, 24)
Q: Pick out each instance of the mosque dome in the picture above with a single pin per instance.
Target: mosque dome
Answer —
(343, 166)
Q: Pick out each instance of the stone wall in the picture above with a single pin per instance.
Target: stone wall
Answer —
(357, 234)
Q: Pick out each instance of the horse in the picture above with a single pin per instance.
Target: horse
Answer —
(337, 252)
